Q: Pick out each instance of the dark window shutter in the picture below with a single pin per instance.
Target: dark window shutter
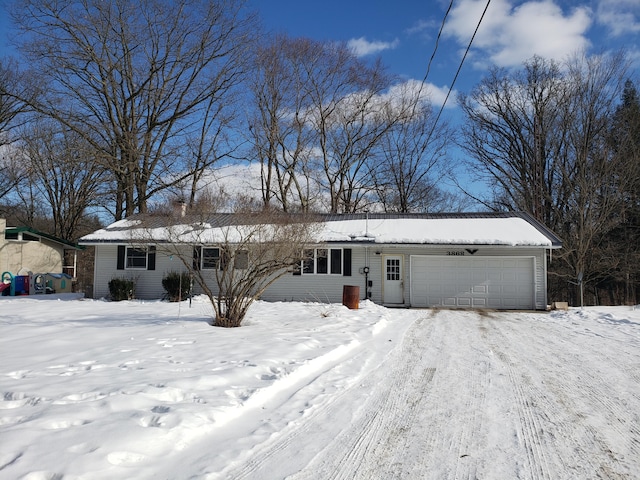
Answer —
(121, 254)
(151, 258)
(346, 262)
(196, 257)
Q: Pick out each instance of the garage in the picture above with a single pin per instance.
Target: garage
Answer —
(472, 282)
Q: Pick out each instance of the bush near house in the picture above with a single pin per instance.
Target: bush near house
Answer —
(121, 289)
(177, 285)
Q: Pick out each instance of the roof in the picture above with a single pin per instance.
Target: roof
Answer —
(492, 228)
(38, 233)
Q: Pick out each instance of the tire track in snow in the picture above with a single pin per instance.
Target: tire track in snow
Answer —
(266, 459)
(479, 380)
(430, 422)
(603, 429)
(572, 404)
(529, 422)
(375, 443)
(456, 407)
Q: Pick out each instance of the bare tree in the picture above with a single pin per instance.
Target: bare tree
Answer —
(11, 170)
(233, 258)
(411, 153)
(11, 87)
(319, 116)
(136, 79)
(279, 129)
(540, 137)
(623, 285)
(514, 133)
(591, 205)
(62, 174)
(350, 123)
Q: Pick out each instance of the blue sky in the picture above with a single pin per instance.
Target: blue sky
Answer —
(404, 32)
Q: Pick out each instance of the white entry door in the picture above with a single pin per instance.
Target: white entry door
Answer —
(393, 284)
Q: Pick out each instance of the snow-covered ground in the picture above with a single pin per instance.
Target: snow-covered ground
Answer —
(148, 390)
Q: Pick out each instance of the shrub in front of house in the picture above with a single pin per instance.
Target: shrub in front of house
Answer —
(121, 289)
(176, 285)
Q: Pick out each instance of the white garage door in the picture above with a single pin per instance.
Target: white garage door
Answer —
(480, 282)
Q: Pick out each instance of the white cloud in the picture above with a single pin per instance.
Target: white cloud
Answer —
(619, 16)
(511, 34)
(421, 27)
(428, 92)
(362, 47)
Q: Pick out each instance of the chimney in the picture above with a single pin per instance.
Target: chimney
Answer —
(180, 207)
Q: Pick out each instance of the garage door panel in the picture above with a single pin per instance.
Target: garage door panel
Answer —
(463, 302)
(447, 302)
(492, 282)
(480, 289)
(510, 290)
(479, 303)
(478, 275)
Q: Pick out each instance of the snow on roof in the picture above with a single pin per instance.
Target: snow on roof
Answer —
(442, 231)
(455, 229)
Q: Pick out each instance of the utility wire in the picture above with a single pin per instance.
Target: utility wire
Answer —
(435, 49)
(414, 104)
(459, 68)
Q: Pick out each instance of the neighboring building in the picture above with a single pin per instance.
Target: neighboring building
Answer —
(25, 249)
(465, 260)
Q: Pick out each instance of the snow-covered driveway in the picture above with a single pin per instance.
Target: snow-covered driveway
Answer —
(489, 396)
(147, 390)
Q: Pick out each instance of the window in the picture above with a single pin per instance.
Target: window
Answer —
(136, 258)
(308, 264)
(336, 261)
(210, 258)
(393, 269)
(322, 261)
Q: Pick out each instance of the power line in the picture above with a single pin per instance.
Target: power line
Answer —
(414, 105)
(459, 68)
(435, 49)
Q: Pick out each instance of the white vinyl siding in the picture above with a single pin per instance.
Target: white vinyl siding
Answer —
(326, 288)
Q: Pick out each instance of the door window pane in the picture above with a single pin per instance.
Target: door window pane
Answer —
(393, 269)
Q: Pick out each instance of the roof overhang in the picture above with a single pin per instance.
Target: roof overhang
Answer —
(36, 233)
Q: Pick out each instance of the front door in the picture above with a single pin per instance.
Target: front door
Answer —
(393, 284)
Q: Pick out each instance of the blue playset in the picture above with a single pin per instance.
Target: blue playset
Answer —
(34, 283)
